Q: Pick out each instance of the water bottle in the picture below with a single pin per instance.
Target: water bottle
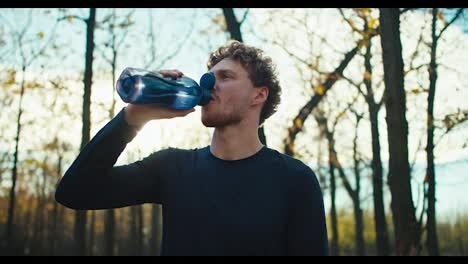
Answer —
(138, 86)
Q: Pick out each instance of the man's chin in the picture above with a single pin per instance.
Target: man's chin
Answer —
(208, 122)
(213, 121)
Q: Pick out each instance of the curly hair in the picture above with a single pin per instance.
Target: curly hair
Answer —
(261, 70)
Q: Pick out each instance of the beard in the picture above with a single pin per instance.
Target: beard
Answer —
(213, 118)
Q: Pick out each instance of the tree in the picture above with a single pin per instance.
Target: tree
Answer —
(80, 215)
(328, 133)
(117, 28)
(301, 117)
(335, 165)
(27, 56)
(80, 220)
(432, 242)
(374, 107)
(407, 228)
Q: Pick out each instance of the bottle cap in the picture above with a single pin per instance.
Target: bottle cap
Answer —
(207, 82)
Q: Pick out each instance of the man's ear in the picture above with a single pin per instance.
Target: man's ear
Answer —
(261, 95)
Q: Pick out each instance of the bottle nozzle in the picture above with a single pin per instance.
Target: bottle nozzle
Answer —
(207, 82)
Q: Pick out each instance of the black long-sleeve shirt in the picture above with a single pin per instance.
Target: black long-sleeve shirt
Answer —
(265, 204)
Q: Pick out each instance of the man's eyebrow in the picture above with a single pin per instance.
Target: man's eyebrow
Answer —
(225, 71)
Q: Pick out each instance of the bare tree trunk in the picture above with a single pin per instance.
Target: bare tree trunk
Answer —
(92, 234)
(14, 171)
(80, 216)
(233, 26)
(358, 217)
(109, 230)
(38, 234)
(154, 248)
(322, 123)
(140, 238)
(381, 228)
(53, 227)
(109, 233)
(432, 242)
(334, 249)
(136, 232)
(407, 229)
(27, 237)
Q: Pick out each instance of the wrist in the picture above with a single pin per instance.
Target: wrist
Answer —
(133, 120)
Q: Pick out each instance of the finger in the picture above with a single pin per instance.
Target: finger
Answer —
(171, 73)
(180, 74)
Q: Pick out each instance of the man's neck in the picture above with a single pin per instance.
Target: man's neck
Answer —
(235, 142)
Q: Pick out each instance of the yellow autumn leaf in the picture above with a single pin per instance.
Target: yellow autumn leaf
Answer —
(70, 18)
(367, 76)
(31, 84)
(440, 16)
(372, 22)
(10, 78)
(9, 82)
(416, 91)
(320, 90)
(298, 123)
(40, 34)
(448, 122)
(365, 11)
(220, 20)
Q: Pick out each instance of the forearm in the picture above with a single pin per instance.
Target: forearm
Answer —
(93, 164)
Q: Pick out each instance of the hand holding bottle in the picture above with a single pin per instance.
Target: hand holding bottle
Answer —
(140, 114)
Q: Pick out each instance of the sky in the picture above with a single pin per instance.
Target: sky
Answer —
(194, 25)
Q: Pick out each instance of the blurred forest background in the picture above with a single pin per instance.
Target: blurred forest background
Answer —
(375, 101)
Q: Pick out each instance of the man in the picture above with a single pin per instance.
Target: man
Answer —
(234, 197)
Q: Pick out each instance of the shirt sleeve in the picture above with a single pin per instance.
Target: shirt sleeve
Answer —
(307, 230)
(92, 181)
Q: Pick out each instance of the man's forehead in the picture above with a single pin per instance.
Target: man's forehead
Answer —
(223, 70)
(226, 66)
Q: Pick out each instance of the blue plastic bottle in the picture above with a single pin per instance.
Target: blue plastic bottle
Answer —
(138, 86)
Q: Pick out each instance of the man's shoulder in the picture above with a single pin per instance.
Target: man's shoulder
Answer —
(290, 163)
(299, 175)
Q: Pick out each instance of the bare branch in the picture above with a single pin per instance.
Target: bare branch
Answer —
(358, 86)
(416, 153)
(8, 24)
(152, 40)
(103, 54)
(244, 16)
(463, 117)
(416, 50)
(310, 33)
(343, 112)
(41, 50)
(351, 25)
(379, 104)
(70, 17)
(176, 51)
(459, 12)
(5, 53)
(405, 10)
